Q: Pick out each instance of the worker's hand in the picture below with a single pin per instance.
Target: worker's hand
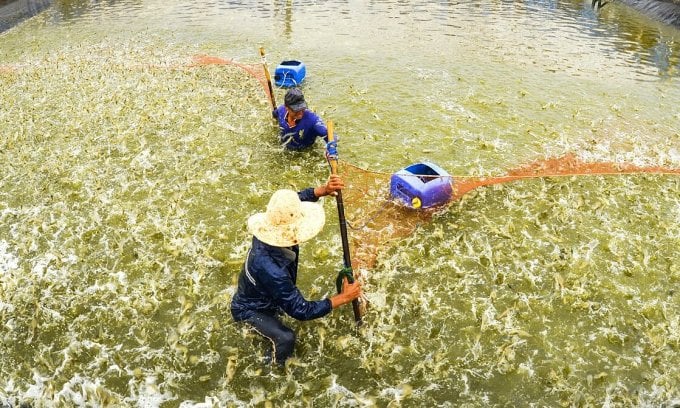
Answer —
(350, 291)
(332, 186)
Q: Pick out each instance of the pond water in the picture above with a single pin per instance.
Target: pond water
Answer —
(128, 175)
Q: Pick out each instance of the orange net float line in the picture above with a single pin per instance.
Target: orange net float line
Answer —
(567, 165)
(375, 220)
(255, 70)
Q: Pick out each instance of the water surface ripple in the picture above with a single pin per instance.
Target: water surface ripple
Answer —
(128, 173)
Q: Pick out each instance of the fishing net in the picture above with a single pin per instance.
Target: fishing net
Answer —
(255, 70)
(376, 220)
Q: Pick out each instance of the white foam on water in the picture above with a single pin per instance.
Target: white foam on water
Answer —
(8, 261)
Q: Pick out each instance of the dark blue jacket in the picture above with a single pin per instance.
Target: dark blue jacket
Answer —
(305, 131)
(267, 282)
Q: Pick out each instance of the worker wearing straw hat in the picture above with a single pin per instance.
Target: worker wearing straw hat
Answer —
(267, 283)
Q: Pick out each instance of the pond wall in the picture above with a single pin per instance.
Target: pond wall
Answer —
(16, 11)
(667, 12)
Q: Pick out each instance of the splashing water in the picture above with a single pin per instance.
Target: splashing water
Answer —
(257, 71)
(377, 220)
(131, 167)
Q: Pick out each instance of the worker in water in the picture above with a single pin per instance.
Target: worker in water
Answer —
(267, 282)
(299, 126)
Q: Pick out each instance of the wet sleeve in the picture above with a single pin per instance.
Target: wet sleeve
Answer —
(288, 297)
(320, 128)
(277, 112)
(308, 195)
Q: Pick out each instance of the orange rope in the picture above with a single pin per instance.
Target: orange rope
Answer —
(564, 166)
(379, 220)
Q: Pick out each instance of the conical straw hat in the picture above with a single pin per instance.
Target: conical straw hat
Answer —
(287, 221)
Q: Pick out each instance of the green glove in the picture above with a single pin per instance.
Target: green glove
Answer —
(344, 273)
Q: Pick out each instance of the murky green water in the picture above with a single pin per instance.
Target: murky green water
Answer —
(127, 178)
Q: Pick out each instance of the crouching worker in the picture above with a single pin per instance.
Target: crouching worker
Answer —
(267, 283)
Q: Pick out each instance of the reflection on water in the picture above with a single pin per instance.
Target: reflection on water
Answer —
(129, 171)
(615, 25)
(655, 45)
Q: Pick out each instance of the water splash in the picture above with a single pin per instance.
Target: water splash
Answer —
(376, 220)
(125, 233)
(257, 71)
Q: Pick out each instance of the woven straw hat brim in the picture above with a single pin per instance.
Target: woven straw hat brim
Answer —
(309, 225)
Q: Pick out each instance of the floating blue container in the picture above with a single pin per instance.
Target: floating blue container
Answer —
(290, 73)
(421, 185)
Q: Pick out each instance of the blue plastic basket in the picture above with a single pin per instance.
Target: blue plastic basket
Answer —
(290, 73)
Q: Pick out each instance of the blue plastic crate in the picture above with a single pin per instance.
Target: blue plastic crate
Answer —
(290, 73)
(421, 185)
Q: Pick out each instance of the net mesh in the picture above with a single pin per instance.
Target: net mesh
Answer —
(255, 70)
(375, 220)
